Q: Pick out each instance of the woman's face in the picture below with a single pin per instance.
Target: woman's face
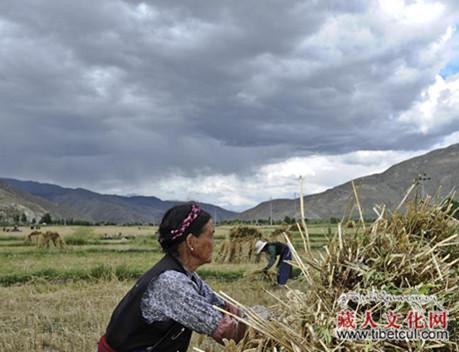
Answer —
(203, 245)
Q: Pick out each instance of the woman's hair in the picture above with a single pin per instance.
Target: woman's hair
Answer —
(178, 222)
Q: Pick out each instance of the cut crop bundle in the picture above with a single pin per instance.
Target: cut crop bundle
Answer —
(239, 246)
(405, 253)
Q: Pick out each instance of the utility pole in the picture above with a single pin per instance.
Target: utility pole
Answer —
(271, 211)
(215, 216)
(420, 182)
(307, 245)
(301, 199)
(424, 178)
(295, 205)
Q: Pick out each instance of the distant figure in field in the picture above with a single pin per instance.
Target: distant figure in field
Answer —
(170, 300)
(274, 250)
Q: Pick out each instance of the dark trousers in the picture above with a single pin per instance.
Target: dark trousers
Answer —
(284, 271)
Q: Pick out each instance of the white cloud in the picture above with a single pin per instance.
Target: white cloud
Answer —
(438, 106)
(452, 138)
(102, 80)
(413, 12)
(439, 52)
(276, 180)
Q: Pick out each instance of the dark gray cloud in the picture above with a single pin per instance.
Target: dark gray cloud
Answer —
(106, 92)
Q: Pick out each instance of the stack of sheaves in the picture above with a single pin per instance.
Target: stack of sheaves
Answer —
(410, 257)
(239, 246)
(279, 234)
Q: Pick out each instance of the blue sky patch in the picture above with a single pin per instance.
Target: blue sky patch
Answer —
(450, 69)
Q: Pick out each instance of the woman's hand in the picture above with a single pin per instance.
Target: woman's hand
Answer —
(229, 328)
(232, 309)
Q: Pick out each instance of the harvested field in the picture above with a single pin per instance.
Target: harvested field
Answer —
(60, 299)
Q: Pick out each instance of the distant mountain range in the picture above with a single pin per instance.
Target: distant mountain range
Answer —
(440, 168)
(36, 199)
(14, 203)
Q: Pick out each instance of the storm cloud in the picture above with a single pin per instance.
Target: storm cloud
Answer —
(155, 97)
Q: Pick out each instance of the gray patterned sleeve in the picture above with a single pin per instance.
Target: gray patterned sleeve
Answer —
(173, 295)
(207, 292)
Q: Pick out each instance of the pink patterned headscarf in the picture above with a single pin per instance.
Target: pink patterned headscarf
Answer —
(192, 215)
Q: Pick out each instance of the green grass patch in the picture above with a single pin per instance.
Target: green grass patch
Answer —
(99, 272)
(221, 275)
(67, 260)
(16, 244)
(103, 272)
(44, 252)
(11, 238)
(82, 236)
(76, 241)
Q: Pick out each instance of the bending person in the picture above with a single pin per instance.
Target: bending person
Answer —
(274, 250)
(170, 300)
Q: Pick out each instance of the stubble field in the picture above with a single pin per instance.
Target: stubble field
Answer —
(61, 299)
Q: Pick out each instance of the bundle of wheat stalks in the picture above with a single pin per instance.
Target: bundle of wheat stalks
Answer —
(279, 234)
(239, 246)
(402, 253)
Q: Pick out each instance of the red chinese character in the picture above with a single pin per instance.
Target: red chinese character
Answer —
(415, 320)
(346, 319)
(392, 318)
(368, 320)
(437, 319)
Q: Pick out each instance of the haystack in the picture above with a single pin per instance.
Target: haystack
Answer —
(239, 246)
(414, 252)
(279, 234)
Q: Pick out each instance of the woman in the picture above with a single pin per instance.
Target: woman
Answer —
(274, 250)
(170, 300)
